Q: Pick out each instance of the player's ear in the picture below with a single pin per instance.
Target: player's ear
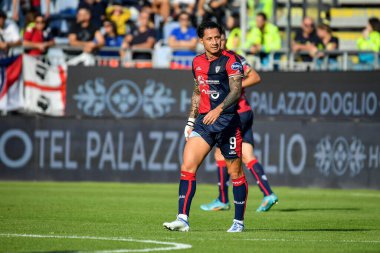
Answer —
(201, 41)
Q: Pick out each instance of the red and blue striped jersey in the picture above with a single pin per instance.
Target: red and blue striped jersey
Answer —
(213, 76)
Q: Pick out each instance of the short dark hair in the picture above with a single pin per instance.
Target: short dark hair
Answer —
(324, 27)
(184, 13)
(85, 9)
(3, 14)
(263, 15)
(375, 23)
(113, 25)
(208, 25)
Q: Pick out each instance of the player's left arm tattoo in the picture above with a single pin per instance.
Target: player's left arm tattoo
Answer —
(235, 84)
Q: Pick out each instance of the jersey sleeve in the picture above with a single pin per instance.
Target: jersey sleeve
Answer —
(245, 64)
(234, 67)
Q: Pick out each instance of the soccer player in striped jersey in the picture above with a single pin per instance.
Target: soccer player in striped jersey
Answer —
(249, 159)
(213, 120)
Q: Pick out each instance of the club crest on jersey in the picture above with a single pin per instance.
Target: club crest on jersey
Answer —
(217, 68)
(236, 66)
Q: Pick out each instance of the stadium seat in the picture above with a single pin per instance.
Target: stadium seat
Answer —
(352, 17)
(296, 17)
(347, 40)
(358, 2)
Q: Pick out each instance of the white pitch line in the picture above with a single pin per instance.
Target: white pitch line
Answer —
(306, 240)
(173, 245)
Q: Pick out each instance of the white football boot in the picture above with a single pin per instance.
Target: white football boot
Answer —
(237, 227)
(180, 224)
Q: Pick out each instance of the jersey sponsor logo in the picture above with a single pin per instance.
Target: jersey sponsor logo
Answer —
(201, 80)
(212, 81)
(217, 68)
(236, 66)
(214, 94)
(198, 68)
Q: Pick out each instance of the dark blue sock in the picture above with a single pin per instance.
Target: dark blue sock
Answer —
(187, 187)
(262, 181)
(223, 178)
(240, 190)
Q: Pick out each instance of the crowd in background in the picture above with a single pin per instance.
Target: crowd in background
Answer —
(90, 25)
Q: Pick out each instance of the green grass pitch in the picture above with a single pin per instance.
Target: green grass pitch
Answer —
(70, 217)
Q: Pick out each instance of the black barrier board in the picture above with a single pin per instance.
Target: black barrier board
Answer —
(159, 93)
(294, 153)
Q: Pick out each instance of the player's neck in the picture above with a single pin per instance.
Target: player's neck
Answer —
(211, 56)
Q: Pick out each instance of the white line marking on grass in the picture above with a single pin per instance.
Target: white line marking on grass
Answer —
(172, 245)
(306, 240)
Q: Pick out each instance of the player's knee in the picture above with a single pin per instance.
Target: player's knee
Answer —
(236, 174)
(248, 154)
(188, 167)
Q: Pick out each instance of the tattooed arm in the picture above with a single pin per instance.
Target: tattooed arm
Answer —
(193, 110)
(195, 101)
(235, 83)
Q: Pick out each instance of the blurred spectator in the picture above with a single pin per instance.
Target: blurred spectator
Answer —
(184, 38)
(326, 39)
(119, 15)
(306, 40)
(30, 18)
(259, 6)
(9, 35)
(327, 42)
(6, 6)
(58, 7)
(97, 9)
(84, 34)
(263, 38)
(134, 7)
(36, 5)
(147, 7)
(37, 39)
(369, 41)
(234, 38)
(209, 9)
(143, 37)
(19, 9)
(234, 6)
(183, 6)
(161, 8)
(60, 14)
(111, 38)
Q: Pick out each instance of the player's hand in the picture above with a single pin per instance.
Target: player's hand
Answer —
(212, 116)
(189, 127)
